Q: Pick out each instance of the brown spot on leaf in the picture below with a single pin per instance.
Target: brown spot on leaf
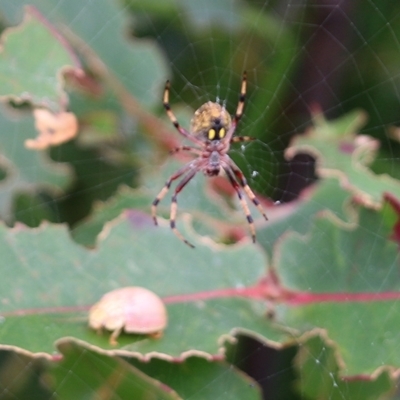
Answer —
(54, 129)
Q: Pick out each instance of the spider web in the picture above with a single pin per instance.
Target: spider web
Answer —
(299, 55)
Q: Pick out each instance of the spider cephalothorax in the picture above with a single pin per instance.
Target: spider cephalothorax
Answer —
(211, 130)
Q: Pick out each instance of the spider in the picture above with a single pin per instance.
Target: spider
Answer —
(211, 129)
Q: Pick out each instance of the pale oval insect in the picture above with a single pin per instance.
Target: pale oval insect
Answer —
(130, 309)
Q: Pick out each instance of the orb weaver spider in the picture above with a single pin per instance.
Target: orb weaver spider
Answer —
(211, 129)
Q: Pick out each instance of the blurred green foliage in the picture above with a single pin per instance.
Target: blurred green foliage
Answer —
(303, 57)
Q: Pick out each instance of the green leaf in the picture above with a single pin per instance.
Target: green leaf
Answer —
(326, 196)
(213, 322)
(345, 281)
(223, 13)
(26, 170)
(338, 259)
(205, 207)
(342, 154)
(62, 279)
(318, 367)
(196, 378)
(126, 198)
(84, 373)
(138, 65)
(31, 64)
(22, 374)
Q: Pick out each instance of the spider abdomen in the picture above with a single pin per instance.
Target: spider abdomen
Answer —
(210, 122)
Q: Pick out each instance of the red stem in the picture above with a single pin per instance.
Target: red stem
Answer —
(264, 290)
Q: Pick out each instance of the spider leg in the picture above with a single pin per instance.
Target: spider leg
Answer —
(173, 119)
(230, 174)
(243, 182)
(174, 205)
(239, 109)
(186, 148)
(165, 189)
(242, 98)
(238, 139)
